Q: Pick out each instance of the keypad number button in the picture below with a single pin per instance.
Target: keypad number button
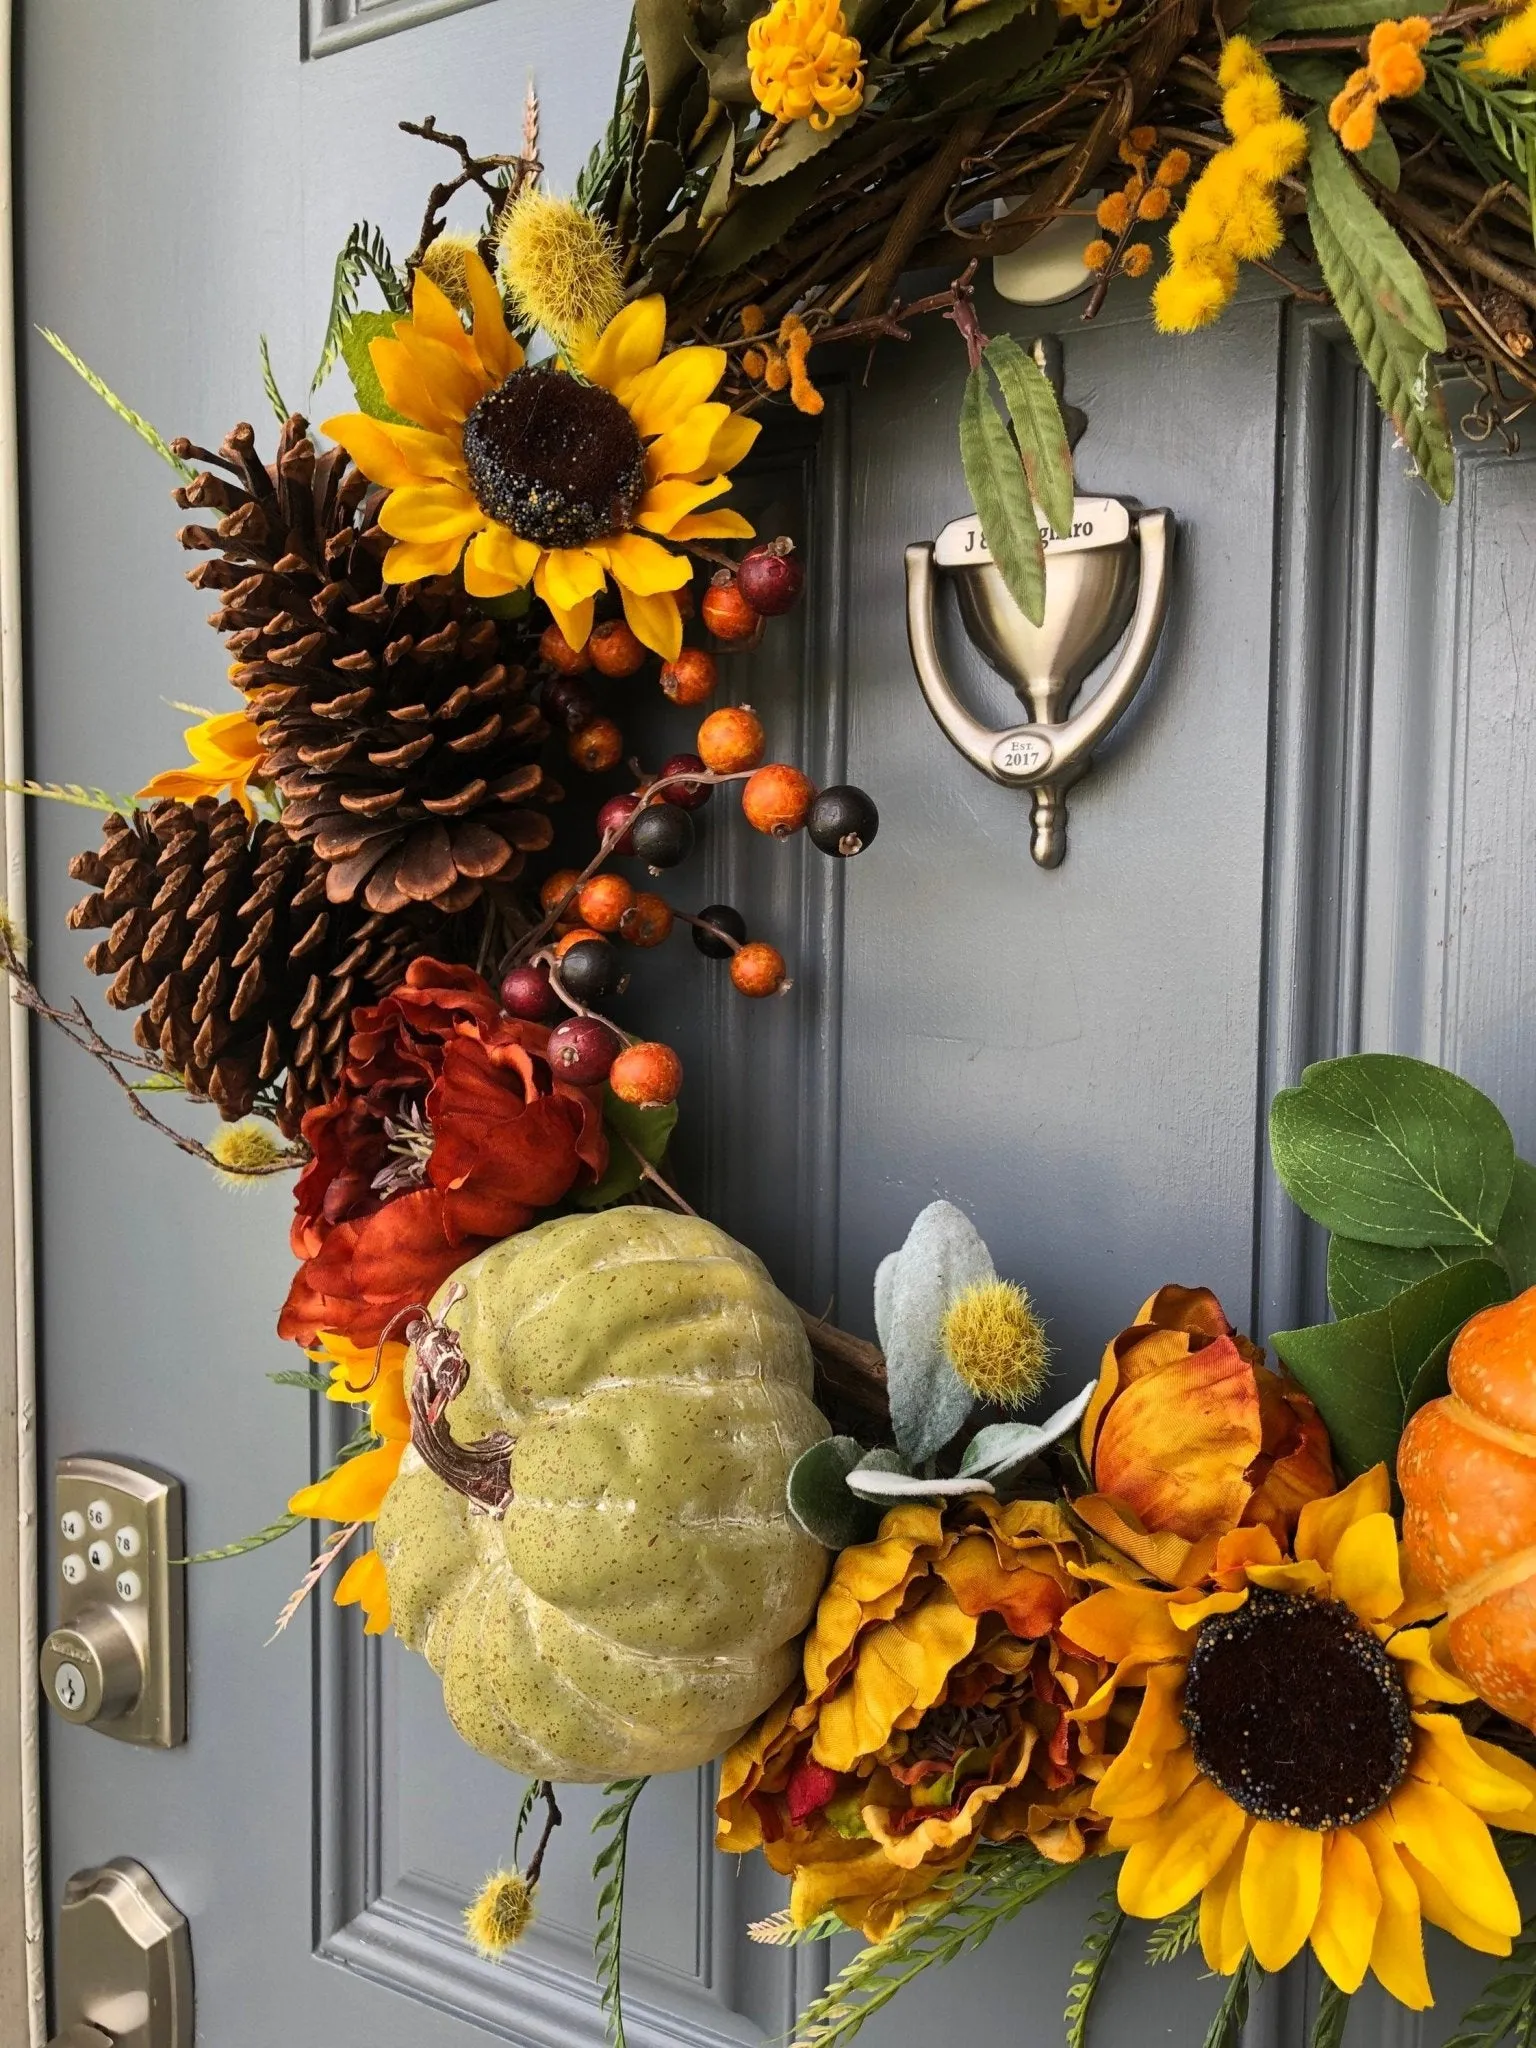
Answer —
(128, 1587)
(72, 1525)
(73, 1568)
(100, 1556)
(127, 1540)
(99, 1514)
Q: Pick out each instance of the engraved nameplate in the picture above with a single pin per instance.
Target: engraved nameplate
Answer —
(1096, 523)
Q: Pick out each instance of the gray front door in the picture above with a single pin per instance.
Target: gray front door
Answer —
(1309, 837)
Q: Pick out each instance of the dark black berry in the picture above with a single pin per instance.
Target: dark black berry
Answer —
(568, 702)
(843, 821)
(662, 835)
(724, 919)
(590, 970)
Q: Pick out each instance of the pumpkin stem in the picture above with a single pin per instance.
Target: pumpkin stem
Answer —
(481, 1471)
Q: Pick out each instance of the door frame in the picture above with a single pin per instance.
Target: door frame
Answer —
(22, 1996)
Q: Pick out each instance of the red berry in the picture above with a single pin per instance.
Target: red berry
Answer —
(777, 799)
(558, 652)
(686, 799)
(725, 611)
(616, 812)
(771, 578)
(731, 740)
(526, 993)
(604, 900)
(691, 678)
(597, 746)
(614, 649)
(648, 1075)
(582, 1049)
(758, 970)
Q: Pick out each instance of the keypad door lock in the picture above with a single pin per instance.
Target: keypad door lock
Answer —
(116, 1662)
(123, 1967)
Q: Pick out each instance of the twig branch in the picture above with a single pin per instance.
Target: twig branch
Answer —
(477, 171)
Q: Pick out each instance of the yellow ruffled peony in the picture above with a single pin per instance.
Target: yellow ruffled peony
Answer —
(803, 63)
(226, 755)
(1230, 215)
(541, 476)
(932, 1715)
(1291, 1760)
(355, 1491)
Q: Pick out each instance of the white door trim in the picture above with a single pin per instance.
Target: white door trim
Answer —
(22, 2013)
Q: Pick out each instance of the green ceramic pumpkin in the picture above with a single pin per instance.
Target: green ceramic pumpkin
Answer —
(640, 1601)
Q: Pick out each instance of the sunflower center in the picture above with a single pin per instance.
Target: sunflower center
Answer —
(559, 462)
(1296, 1711)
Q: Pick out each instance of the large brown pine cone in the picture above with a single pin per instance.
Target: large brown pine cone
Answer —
(395, 717)
(220, 934)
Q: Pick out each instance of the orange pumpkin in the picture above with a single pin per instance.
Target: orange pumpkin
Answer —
(1467, 1468)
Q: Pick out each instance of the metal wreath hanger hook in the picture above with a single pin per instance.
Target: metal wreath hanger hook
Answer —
(1109, 572)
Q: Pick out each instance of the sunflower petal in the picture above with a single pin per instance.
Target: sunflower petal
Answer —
(1181, 1853)
(628, 345)
(1282, 1886)
(499, 354)
(645, 566)
(733, 442)
(683, 449)
(1132, 1786)
(1523, 1820)
(1364, 1568)
(662, 397)
(574, 621)
(1397, 1948)
(1223, 1939)
(713, 526)
(409, 560)
(497, 562)
(435, 317)
(354, 1492)
(664, 504)
(1347, 1911)
(457, 386)
(431, 512)
(1126, 1623)
(568, 577)
(655, 622)
(407, 390)
(395, 456)
(364, 1583)
(1422, 1653)
(1441, 1910)
(1452, 1842)
(1444, 1756)
(1323, 1522)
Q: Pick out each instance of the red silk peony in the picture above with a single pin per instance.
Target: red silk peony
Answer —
(450, 1132)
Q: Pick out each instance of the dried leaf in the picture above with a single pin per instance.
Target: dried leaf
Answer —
(1002, 498)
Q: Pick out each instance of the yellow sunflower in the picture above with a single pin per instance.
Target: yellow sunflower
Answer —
(559, 477)
(1292, 1761)
(226, 754)
(355, 1491)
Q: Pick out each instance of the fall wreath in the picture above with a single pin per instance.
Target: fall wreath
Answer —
(1257, 1639)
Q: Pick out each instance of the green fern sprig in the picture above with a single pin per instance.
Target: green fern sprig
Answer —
(1232, 2014)
(1175, 1934)
(269, 384)
(364, 253)
(151, 436)
(530, 1800)
(608, 1871)
(1099, 1939)
(1332, 2016)
(1066, 61)
(991, 1891)
(778, 1930)
(72, 793)
(311, 1382)
(1497, 112)
(243, 1544)
(1507, 2009)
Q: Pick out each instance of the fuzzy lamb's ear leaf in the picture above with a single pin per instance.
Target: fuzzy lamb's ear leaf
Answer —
(943, 1255)
(999, 1450)
(882, 1476)
(818, 1498)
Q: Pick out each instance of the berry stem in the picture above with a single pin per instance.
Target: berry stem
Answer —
(703, 924)
(547, 955)
(650, 1173)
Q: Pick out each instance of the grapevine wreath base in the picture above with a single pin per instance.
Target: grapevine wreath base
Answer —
(1255, 1638)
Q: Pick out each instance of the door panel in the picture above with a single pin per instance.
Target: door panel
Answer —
(1311, 834)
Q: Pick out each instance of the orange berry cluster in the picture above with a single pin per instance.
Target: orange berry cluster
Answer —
(1146, 196)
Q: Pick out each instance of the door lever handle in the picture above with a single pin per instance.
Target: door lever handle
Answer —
(123, 1965)
(81, 2036)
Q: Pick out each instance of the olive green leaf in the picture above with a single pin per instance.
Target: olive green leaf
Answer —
(1001, 495)
(631, 1131)
(1393, 1150)
(1396, 361)
(665, 28)
(1373, 248)
(1370, 1372)
(819, 1500)
(981, 21)
(1038, 427)
(1366, 1276)
(797, 147)
(1286, 17)
(361, 330)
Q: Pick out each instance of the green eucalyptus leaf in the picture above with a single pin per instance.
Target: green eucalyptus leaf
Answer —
(1373, 248)
(1393, 1150)
(1517, 1228)
(1370, 1372)
(361, 330)
(1000, 494)
(818, 1498)
(648, 1130)
(1366, 1276)
(1038, 427)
